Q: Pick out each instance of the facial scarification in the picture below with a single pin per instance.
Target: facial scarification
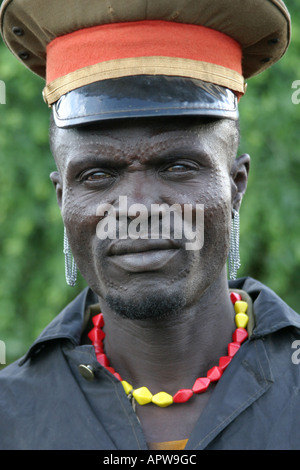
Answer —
(149, 162)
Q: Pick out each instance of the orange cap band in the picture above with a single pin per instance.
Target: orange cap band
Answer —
(143, 47)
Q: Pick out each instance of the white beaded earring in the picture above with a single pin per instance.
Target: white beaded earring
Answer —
(234, 251)
(70, 265)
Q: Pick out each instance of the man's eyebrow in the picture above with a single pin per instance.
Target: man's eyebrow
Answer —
(173, 154)
(93, 159)
(155, 157)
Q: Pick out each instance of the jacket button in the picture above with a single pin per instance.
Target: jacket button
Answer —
(86, 371)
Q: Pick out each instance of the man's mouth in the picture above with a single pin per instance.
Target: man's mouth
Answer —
(142, 255)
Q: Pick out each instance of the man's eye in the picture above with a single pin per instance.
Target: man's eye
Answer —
(178, 168)
(94, 175)
(98, 175)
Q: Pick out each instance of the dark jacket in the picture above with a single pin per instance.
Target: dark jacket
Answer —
(45, 402)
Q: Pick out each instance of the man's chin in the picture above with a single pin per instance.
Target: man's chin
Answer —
(146, 307)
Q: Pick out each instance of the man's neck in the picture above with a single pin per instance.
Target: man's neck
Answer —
(170, 353)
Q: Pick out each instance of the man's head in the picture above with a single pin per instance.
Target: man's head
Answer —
(145, 100)
(181, 161)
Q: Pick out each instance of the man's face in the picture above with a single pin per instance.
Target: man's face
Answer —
(147, 162)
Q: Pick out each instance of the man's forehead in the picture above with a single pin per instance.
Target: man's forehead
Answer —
(145, 139)
(145, 126)
(163, 129)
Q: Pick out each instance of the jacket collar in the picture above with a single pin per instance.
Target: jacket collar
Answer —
(270, 311)
(270, 314)
(67, 325)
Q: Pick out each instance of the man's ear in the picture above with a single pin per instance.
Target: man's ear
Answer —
(56, 180)
(239, 179)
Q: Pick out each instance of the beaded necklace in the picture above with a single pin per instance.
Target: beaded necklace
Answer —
(142, 395)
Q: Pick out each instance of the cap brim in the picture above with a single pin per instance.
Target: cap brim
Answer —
(143, 96)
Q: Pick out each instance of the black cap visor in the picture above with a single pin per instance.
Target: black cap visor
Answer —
(143, 96)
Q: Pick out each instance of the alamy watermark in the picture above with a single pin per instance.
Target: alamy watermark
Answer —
(167, 222)
(2, 92)
(296, 93)
(2, 353)
(296, 354)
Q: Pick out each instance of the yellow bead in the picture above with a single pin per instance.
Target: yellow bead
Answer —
(162, 399)
(127, 387)
(240, 306)
(241, 320)
(142, 395)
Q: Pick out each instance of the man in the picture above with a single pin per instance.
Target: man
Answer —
(158, 352)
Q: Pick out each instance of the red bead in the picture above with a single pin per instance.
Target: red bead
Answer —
(118, 376)
(235, 297)
(233, 349)
(239, 335)
(182, 395)
(111, 370)
(96, 335)
(201, 385)
(98, 348)
(91, 335)
(99, 335)
(98, 320)
(224, 361)
(214, 373)
(102, 358)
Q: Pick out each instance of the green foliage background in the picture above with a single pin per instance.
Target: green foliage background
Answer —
(32, 285)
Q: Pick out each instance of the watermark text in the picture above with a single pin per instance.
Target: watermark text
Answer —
(296, 353)
(2, 353)
(2, 92)
(296, 93)
(162, 221)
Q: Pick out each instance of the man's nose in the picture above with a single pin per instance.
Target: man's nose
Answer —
(138, 196)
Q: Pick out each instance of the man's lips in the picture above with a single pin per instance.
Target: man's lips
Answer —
(142, 255)
(123, 247)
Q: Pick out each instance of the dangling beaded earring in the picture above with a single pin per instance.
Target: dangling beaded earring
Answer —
(234, 251)
(70, 265)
